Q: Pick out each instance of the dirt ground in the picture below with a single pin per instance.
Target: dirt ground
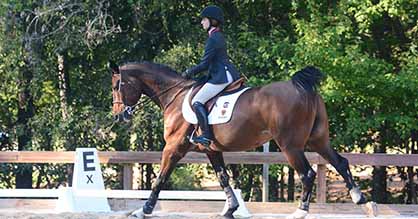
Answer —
(161, 215)
(119, 215)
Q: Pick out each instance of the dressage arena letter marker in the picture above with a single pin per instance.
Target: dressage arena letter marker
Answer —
(88, 180)
(87, 161)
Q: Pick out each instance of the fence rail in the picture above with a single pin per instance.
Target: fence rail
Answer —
(128, 158)
(193, 157)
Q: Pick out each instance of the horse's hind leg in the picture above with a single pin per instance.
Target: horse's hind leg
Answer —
(217, 161)
(319, 142)
(297, 160)
(341, 165)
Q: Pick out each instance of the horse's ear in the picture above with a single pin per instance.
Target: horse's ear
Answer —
(114, 68)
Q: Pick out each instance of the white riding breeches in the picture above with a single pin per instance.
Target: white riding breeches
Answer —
(210, 90)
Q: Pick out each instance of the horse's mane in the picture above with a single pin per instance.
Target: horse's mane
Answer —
(150, 66)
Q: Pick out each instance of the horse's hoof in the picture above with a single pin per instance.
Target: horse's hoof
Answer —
(147, 209)
(230, 211)
(298, 214)
(357, 196)
(139, 213)
(228, 216)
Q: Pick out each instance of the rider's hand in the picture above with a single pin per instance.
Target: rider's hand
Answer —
(186, 74)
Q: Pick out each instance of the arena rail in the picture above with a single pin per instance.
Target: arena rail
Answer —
(128, 158)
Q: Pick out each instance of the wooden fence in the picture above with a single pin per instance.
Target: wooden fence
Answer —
(127, 159)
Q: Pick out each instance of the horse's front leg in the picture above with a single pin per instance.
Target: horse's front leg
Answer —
(217, 161)
(170, 157)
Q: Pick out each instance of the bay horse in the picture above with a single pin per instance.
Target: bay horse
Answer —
(290, 112)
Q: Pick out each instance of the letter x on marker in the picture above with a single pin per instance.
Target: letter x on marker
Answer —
(89, 179)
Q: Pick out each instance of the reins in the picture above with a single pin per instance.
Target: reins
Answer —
(139, 105)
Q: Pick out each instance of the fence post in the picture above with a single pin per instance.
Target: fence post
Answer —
(127, 176)
(321, 189)
(265, 195)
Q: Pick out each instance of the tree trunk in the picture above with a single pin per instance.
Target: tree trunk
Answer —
(149, 169)
(282, 185)
(141, 177)
(64, 92)
(24, 114)
(148, 177)
(412, 195)
(291, 185)
(63, 85)
(274, 188)
(273, 179)
(248, 196)
(379, 190)
(379, 28)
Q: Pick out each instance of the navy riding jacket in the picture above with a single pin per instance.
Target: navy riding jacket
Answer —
(215, 60)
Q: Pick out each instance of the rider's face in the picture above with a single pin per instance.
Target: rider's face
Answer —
(205, 23)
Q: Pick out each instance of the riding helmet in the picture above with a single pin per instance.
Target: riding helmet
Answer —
(213, 12)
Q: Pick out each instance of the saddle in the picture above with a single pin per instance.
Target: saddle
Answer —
(232, 88)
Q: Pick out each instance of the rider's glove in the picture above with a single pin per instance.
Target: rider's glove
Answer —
(186, 74)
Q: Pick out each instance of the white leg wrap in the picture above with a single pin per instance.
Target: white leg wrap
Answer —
(298, 214)
(138, 214)
(355, 194)
(371, 209)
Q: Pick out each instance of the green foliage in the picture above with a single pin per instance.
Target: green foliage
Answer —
(186, 177)
(180, 57)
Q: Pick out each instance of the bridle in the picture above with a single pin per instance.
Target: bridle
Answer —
(130, 110)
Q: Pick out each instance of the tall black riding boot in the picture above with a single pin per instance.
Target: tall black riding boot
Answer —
(202, 118)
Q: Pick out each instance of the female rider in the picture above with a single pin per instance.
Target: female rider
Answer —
(221, 72)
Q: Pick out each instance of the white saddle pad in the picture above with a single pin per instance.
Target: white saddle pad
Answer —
(221, 112)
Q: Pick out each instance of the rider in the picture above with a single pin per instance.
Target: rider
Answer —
(221, 72)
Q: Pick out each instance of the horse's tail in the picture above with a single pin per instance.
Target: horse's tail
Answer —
(307, 79)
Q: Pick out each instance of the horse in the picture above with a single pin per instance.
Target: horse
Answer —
(291, 113)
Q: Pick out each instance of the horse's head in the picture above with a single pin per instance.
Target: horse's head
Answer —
(126, 93)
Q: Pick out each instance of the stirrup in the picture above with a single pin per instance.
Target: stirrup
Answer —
(202, 140)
